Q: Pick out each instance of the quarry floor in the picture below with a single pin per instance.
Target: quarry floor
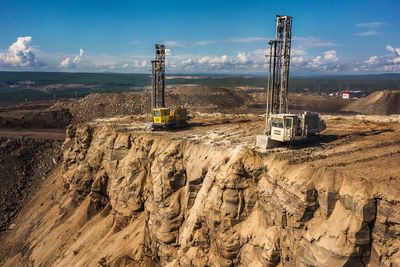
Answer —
(344, 132)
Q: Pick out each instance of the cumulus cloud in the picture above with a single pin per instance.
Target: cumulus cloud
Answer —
(372, 60)
(242, 57)
(395, 52)
(19, 54)
(331, 55)
(329, 61)
(213, 60)
(247, 61)
(140, 63)
(70, 62)
(386, 63)
(298, 52)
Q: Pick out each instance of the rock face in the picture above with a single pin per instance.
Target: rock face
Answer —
(141, 199)
(24, 164)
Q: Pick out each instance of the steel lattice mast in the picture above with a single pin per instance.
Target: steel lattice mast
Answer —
(158, 78)
(279, 61)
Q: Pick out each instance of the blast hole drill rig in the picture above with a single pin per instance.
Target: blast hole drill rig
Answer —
(163, 117)
(281, 126)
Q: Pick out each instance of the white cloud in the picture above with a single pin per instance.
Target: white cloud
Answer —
(371, 24)
(297, 60)
(19, 54)
(329, 61)
(316, 62)
(386, 63)
(242, 57)
(140, 64)
(372, 60)
(396, 52)
(247, 61)
(213, 60)
(70, 62)
(205, 42)
(367, 33)
(298, 52)
(305, 42)
(175, 43)
(331, 55)
(371, 28)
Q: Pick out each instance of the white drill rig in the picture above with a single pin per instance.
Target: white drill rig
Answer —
(282, 126)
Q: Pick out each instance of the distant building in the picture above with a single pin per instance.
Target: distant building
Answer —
(353, 94)
(346, 95)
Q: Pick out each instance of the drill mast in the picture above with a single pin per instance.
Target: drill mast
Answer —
(279, 61)
(158, 78)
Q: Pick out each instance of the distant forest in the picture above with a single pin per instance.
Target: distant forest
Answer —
(29, 86)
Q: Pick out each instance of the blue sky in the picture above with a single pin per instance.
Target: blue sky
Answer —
(202, 36)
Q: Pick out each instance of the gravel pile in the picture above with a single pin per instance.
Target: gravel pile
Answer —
(378, 103)
(196, 98)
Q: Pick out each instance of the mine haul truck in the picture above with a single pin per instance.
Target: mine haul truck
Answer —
(284, 128)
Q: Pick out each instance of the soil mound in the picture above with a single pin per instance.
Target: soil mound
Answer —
(196, 98)
(378, 103)
(34, 116)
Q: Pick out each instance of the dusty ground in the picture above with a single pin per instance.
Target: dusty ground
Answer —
(206, 196)
(52, 134)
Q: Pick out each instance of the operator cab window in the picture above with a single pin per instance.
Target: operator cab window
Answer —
(277, 122)
(157, 113)
(288, 123)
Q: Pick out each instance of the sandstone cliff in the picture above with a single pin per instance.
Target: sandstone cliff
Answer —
(206, 197)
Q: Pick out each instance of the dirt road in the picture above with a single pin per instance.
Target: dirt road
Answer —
(55, 134)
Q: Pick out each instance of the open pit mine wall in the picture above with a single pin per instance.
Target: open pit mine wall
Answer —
(180, 202)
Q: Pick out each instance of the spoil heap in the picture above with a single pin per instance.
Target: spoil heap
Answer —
(37, 116)
(378, 103)
(196, 98)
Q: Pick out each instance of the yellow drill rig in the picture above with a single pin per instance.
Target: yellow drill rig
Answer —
(163, 117)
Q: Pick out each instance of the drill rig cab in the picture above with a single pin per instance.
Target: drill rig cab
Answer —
(163, 117)
(169, 118)
(282, 126)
